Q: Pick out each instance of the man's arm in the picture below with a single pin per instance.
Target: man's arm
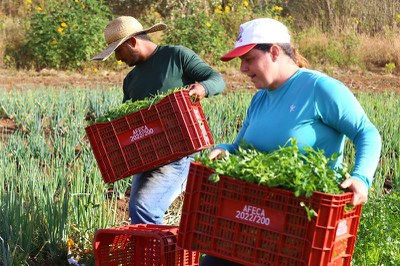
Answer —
(202, 73)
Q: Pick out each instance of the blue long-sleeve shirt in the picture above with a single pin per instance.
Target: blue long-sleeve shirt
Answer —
(318, 111)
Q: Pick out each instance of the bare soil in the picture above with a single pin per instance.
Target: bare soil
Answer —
(9, 79)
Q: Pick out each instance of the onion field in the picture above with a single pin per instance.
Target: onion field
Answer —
(53, 199)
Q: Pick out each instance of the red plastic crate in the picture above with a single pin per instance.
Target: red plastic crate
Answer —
(165, 132)
(141, 244)
(257, 225)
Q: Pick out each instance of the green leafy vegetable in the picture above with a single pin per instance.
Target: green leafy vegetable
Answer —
(302, 172)
(130, 106)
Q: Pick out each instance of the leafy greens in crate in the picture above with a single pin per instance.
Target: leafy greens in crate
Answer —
(130, 106)
(302, 172)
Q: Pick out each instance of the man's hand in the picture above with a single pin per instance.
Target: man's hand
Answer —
(197, 91)
(359, 189)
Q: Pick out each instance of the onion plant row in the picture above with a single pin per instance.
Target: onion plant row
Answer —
(53, 199)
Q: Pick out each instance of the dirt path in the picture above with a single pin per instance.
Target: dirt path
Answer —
(369, 81)
(10, 79)
(51, 78)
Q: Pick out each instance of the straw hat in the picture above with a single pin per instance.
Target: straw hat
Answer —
(121, 29)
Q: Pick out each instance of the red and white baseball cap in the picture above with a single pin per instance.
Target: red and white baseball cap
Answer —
(257, 31)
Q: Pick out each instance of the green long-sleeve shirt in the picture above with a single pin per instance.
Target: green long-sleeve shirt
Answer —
(170, 67)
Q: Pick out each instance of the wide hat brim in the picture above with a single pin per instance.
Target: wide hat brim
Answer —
(238, 51)
(103, 55)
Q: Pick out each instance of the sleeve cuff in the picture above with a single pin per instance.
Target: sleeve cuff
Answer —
(362, 179)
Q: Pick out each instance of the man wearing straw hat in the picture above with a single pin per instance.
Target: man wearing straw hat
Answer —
(156, 69)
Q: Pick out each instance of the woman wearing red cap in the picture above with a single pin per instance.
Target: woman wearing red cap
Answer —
(295, 102)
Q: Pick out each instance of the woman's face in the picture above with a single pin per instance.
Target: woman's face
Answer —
(258, 65)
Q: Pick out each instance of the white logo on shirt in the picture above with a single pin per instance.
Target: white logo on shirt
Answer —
(292, 107)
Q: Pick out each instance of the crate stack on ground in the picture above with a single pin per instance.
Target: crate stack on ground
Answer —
(258, 225)
(167, 131)
(232, 219)
(141, 245)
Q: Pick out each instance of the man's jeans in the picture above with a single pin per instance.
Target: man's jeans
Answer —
(154, 191)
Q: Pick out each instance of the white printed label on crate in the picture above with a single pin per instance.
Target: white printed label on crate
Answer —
(202, 126)
(253, 215)
(342, 228)
(135, 134)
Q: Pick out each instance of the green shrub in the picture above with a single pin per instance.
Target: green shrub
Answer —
(203, 34)
(212, 32)
(321, 49)
(66, 34)
(389, 68)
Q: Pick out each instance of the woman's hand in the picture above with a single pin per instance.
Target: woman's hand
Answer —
(217, 153)
(359, 189)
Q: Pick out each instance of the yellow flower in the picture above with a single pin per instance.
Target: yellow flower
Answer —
(218, 11)
(39, 8)
(28, 2)
(119, 62)
(70, 243)
(219, 7)
(76, 1)
(54, 42)
(245, 3)
(227, 9)
(60, 30)
(64, 25)
(276, 17)
(208, 24)
(398, 16)
(83, 6)
(277, 8)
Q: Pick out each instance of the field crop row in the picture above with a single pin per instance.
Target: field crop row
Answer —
(52, 197)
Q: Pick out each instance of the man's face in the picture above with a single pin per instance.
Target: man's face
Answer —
(127, 53)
